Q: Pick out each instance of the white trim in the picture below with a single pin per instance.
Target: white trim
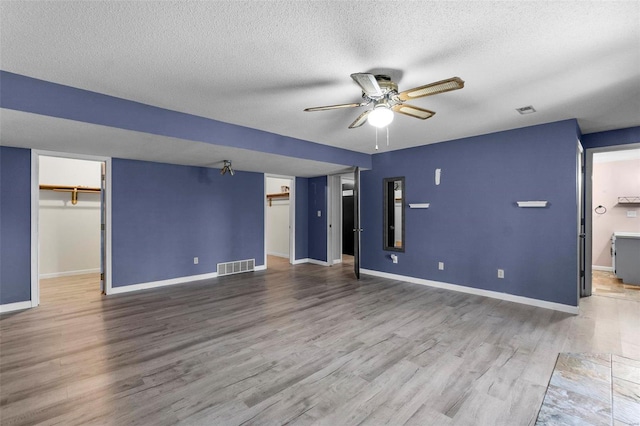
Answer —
(17, 306)
(602, 268)
(479, 292)
(318, 262)
(69, 273)
(35, 231)
(35, 214)
(312, 261)
(172, 281)
(163, 283)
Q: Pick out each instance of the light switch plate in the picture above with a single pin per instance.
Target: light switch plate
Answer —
(632, 213)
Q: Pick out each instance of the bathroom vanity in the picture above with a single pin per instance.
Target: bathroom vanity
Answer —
(625, 249)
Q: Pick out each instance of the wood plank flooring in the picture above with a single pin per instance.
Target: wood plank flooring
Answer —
(291, 345)
(605, 283)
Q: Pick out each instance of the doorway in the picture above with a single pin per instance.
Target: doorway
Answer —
(341, 221)
(280, 217)
(612, 210)
(70, 232)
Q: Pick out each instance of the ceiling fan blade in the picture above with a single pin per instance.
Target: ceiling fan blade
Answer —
(328, 107)
(447, 85)
(368, 83)
(413, 111)
(362, 118)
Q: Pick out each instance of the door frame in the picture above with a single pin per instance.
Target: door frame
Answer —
(580, 178)
(588, 202)
(292, 216)
(334, 216)
(35, 218)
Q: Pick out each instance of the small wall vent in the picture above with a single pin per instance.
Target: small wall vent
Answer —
(236, 267)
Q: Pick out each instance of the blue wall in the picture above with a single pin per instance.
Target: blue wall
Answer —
(318, 225)
(165, 215)
(302, 218)
(15, 225)
(473, 224)
(611, 138)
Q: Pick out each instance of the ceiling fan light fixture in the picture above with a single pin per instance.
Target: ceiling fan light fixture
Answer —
(380, 117)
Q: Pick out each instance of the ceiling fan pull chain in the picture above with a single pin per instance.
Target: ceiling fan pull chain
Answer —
(376, 138)
(387, 135)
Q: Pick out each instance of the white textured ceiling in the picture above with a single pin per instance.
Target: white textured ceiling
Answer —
(259, 64)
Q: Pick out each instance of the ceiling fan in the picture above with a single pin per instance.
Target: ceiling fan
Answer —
(382, 93)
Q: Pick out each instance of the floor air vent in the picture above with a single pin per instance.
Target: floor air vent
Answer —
(236, 267)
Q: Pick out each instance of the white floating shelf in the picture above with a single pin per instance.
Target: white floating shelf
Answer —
(419, 205)
(532, 203)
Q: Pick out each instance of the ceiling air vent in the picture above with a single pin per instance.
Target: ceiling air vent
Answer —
(526, 110)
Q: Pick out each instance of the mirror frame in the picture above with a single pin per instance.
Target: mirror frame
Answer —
(385, 213)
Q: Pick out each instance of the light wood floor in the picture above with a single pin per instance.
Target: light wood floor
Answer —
(291, 345)
(607, 284)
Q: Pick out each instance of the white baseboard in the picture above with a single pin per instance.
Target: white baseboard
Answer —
(162, 283)
(479, 292)
(172, 281)
(312, 261)
(17, 306)
(69, 273)
(337, 261)
(602, 268)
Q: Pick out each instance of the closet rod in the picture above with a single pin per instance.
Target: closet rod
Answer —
(74, 190)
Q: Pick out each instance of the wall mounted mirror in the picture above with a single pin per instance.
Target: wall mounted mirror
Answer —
(394, 214)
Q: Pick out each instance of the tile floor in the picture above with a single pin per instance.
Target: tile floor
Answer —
(592, 389)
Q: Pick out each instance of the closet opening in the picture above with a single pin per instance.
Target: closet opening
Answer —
(279, 219)
(70, 257)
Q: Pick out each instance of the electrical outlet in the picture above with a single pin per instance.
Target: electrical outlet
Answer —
(319, 213)
(441, 266)
(195, 260)
(500, 273)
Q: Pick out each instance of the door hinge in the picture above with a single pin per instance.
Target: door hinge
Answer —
(102, 226)
(101, 276)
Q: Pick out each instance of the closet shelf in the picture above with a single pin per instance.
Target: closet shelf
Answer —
(74, 190)
(629, 200)
(282, 195)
